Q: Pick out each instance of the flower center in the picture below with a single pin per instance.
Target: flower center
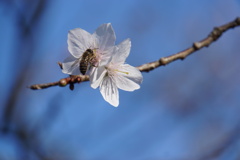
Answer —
(114, 69)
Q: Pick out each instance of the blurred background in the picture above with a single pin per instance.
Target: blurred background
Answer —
(187, 110)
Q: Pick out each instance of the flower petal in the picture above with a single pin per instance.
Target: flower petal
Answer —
(128, 78)
(96, 76)
(79, 41)
(71, 66)
(105, 36)
(109, 91)
(121, 52)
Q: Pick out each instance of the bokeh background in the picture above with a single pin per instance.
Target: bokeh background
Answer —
(187, 110)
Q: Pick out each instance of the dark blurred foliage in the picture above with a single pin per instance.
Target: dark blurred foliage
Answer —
(26, 16)
(187, 110)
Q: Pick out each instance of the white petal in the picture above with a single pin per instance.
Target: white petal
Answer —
(71, 66)
(109, 91)
(128, 78)
(121, 52)
(105, 36)
(96, 76)
(79, 41)
(106, 56)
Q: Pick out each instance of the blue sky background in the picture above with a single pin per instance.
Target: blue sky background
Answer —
(187, 110)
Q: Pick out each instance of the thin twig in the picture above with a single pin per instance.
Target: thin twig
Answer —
(213, 36)
(62, 82)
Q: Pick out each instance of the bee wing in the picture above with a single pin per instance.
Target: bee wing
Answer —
(89, 67)
(71, 66)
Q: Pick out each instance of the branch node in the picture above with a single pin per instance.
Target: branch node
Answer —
(237, 20)
(78, 79)
(197, 45)
(163, 61)
(63, 82)
(182, 58)
(216, 33)
(72, 80)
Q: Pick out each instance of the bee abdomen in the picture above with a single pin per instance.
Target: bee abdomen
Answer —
(83, 67)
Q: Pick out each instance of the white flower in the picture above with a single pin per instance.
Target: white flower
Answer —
(116, 74)
(79, 40)
(108, 69)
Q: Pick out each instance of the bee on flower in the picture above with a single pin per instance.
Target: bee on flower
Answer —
(88, 50)
(104, 61)
(88, 60)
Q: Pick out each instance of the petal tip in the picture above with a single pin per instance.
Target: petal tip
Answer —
(114, 104)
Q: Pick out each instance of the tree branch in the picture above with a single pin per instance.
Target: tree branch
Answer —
(62, 82)
(213, 36)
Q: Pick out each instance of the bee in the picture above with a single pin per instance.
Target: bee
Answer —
(87, 60)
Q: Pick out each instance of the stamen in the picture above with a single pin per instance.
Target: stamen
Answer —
(121, 71)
